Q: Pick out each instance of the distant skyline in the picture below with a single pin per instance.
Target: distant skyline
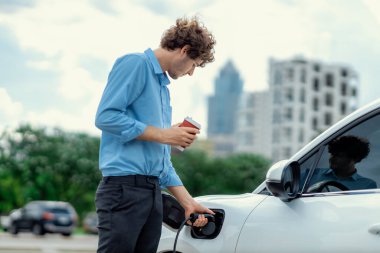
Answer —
(55, 55)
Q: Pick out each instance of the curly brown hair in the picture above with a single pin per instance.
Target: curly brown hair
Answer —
(354, 147)
(192, 33)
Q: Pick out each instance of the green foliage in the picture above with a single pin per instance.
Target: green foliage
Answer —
(234, 174)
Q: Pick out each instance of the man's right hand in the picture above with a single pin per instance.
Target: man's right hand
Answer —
(176, 136)
(179, 136)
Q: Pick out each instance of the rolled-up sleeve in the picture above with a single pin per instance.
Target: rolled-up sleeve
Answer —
(125, 83)
(170, 178)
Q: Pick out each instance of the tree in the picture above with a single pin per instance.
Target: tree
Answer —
(234, 174)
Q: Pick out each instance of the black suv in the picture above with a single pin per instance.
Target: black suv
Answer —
(42, 217)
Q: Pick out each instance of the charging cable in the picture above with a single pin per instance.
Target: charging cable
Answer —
(179, 230)
(208, 229)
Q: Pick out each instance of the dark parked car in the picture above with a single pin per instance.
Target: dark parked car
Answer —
(90, 223)
(42, 217)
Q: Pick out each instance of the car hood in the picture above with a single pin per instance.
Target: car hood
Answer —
(241, 204)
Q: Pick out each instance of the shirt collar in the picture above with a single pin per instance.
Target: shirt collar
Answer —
(154, 61)
(164, 80)
(354, 176)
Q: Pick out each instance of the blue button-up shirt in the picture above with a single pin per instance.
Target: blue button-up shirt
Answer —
(136, 96)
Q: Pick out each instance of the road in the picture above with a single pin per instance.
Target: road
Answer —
(26, 242)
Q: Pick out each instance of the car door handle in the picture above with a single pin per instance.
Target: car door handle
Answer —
(374, 229)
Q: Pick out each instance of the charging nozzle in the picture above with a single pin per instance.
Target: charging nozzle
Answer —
(174, 217)
(195, 216)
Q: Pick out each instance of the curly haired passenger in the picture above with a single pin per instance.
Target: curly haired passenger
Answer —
(345, 152)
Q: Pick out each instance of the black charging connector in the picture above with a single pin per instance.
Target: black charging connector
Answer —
(209, 228)
(195, 216)
(209, 231)
(212, 229)
(174, 217)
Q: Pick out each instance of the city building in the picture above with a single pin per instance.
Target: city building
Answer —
(253, 130)
(308, 96)
(222, 109)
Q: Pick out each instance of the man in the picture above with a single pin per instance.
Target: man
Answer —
(134, 115)
(345, 152)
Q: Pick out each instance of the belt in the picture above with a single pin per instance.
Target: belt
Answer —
(136, 180)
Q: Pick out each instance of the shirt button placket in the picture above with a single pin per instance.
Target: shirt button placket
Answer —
(163, 106)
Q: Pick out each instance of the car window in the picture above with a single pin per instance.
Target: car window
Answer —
(306, 166)
(57, 210)
(350, 161)
(32, 207)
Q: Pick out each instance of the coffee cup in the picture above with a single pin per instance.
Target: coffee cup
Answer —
(188, 122)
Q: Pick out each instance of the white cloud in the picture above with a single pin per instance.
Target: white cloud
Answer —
(373, 7)
(83, 120)
(76, 83)
(40, 64)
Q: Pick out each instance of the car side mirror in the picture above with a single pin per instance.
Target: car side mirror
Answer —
(283, 180)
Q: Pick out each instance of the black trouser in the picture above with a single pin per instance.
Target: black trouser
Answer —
(129, 210)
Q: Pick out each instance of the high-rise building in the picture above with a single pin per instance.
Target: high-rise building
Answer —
(305, 98)
(253, 128)
(308, 97)
(222, 108)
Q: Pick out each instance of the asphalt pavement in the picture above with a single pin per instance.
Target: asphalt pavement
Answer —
(49, 243)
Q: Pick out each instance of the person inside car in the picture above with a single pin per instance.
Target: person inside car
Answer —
(345, 152)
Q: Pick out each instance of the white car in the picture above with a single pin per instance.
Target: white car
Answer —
(292, 211)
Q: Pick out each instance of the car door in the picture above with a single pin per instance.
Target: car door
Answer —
(328, 221)
(25, 220)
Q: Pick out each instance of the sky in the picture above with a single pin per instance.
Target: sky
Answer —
(55, 55)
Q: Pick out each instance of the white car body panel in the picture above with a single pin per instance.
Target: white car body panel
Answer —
(335, 225)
